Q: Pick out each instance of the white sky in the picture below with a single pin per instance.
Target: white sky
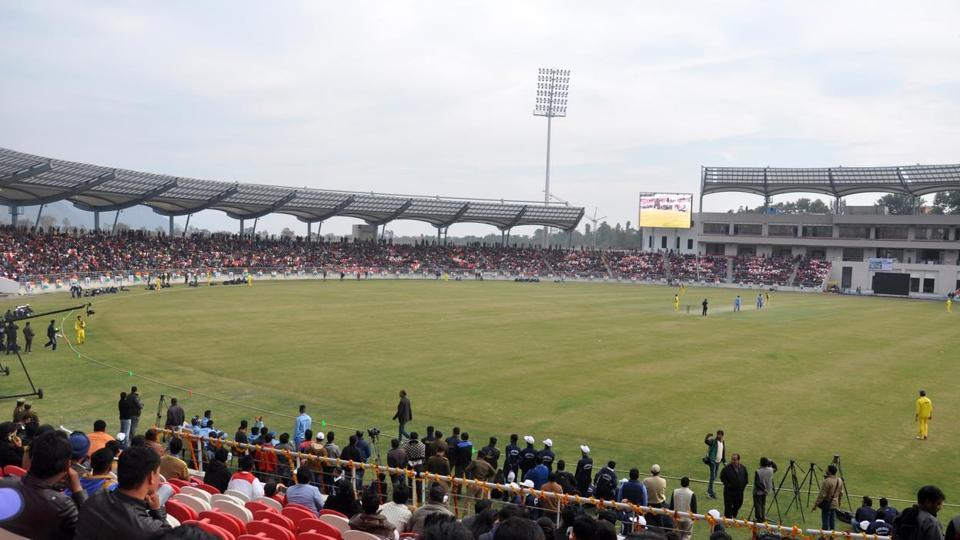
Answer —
(436, 97)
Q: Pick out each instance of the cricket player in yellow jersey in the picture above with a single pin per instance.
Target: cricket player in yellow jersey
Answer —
(676, 302)
(924, 414)
(81, 328)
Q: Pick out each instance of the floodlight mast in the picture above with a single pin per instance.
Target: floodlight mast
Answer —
(552, 88)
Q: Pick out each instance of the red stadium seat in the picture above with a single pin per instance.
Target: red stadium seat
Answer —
(209, 489)
(275, 518)
(178, 482)
(13, 470)
(269, 530)
(207, 526)
(174, 487)
(255, 507)
(310, 535)
(319, 527)
(225, 521)
(326, 512)
(295, 505)
(180, 511)
(297, 513)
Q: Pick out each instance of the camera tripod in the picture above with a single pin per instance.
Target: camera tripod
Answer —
(808, 478)
(161, 407)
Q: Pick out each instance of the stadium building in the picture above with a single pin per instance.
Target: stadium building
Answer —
(866, 250)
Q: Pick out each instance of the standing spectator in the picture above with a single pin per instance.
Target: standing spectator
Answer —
(27, 337)
(734, 478)
(123, 407)
(462, 456)
(317, 466)
(605, 481)
(99, 438)
(217, 473)
(244, 481)
(684, 500)
(351, 452)
(546, 455)
(511, 460)
(565, 477)
(716, 456)
(633, 490)
(492, 453)
(397, 458)
(333, 452)
(304, 493)
(584, 470)
(762, 486)
(831, 489)
(47, 512)
(656, 487)
(51, 336)
(241, 438)
(18, 409)
(301, 425)
(416, 451)
(528, 456)
(404, 414)
(538, 475)
(552, 504)
(924, 414)
(171, 466)
(284, 459)
(175, 415)
(439, 464)
(705, 303)
(480, 470)
(132, 511)
(370, 520)
(136, 407)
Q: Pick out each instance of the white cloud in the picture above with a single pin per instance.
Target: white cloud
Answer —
(436, 97)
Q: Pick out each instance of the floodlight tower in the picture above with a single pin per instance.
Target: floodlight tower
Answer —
(552, 87)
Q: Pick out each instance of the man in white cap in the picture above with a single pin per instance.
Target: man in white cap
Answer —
(546, 455)
(656, 487)
(528, 456)
(584, 470)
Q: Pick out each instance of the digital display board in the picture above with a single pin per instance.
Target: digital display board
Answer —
(668, 210)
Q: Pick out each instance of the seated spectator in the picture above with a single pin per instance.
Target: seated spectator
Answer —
(445, 530)
(244, 481)
(396, 511)
(11, 448)
(518, 528)
(584, 528)
(172, 466)
(153, 441)
(101, 476)
(99, 438)
(80, 444)
(133, 510)
(47, 512)
(881, 527)
(217, 474)
(304, 492)
(370, 520)
(344, 500)
(436, 504)
(887, 512)
(866, 513)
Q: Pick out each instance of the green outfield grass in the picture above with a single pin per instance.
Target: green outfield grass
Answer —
(609, 365)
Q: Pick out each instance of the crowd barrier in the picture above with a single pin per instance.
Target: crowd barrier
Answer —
(294, 459)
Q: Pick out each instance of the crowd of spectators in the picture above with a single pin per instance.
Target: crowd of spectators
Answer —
(812, 272)
(636, 265)
(706, 268)
(763, 270)
(87, 486)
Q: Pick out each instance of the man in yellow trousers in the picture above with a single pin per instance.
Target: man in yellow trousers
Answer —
(924, 414)
(81, 329)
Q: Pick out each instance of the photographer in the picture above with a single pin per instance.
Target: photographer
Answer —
(11, 448)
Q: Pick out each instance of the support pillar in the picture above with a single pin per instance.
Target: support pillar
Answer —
(309, 232)
(14, 210)
(255, 220)
(187, 226)
(96, 220)
(115, 219)
(171, 226)
(241, 226)
(39, 213)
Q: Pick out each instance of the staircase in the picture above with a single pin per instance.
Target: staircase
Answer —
(603, 257)
(550, 270)
(792, 280)
(667, 269)
(729, 270)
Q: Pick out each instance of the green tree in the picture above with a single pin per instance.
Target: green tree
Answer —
(899, 204)
(947, 202)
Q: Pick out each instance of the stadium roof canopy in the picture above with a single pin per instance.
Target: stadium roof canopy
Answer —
(28, 180)
(837, 181)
